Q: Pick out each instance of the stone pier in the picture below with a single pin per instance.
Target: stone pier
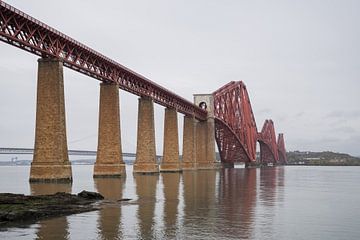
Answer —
(50, 161)
(145, 150)
(189, 144)
(205, 134)
(109, 161)
(170, 161)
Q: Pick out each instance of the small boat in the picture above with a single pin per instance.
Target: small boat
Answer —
(239, 165)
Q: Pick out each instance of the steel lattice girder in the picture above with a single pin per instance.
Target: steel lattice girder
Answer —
(230, 147)
(27, 33)
(268, 146)
(281, 148)
(234, 117)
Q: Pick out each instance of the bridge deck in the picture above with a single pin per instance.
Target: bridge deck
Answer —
(25, 32)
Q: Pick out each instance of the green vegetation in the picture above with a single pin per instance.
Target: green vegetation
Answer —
(322, 159)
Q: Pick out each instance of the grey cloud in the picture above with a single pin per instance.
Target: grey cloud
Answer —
(345, 129)
(326, 140)
(265, 111)
(299, 114)
(350, 145)
(344, 114)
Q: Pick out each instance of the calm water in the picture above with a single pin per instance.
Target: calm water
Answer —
(275, 203)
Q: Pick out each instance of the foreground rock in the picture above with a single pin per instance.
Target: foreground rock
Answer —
(21, 208)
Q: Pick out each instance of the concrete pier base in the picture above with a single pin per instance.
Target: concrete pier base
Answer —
(109, 161)
(189, 144)
(205, 145)
(205, 133)
(145, 150)
(170, 161)
(50, 161)
(48, 172)
(109, 170)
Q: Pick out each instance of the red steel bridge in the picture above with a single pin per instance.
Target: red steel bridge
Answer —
(236, 133)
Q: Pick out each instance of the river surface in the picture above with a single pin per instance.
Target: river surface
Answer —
(274, 203)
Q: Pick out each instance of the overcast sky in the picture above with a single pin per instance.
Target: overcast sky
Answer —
(300, 61)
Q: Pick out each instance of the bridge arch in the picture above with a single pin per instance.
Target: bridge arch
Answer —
(281, 149)
(230, 147)
(235, 126)
(268, 146)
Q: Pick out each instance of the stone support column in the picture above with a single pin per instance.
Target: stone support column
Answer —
(189, 144)
(145, 150)
(109, 161)
(50, 161)
(205, 133)
(201, 137)
(170, 161)
(210, 142)
(205, 144)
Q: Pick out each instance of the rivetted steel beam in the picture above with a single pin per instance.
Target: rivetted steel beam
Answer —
(267, 140)
(281, 149)
(27, 33)
(236, 131)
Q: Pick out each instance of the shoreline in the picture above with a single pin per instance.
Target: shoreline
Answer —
(20, 208)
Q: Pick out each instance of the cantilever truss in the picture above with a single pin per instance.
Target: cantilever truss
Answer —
(281, 149)
(235, 127)
(268, 146)
(25, 32)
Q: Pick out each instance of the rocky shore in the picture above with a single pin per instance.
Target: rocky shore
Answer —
(16, 208)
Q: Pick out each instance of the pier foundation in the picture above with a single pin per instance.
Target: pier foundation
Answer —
(50, 161)
(146, 149)
(205, 133)
(109, 161)
(170, 161)
(189, 144)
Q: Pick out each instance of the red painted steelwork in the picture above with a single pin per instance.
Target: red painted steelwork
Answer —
(268, 147)
(281, 149)
(27, 33)
(235, 127)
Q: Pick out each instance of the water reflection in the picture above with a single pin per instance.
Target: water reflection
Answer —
(109, 221)
(171, 183)
(49, 188)
(200, 211)
(271, 185)
(280, 184)
(268, 186)
(56, 228)
(237, 201)
(269, 198)
(146, 192)
(223, 204)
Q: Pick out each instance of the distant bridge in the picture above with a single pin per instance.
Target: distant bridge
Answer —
(71, 152)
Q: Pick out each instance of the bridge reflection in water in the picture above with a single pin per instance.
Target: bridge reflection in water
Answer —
(109, 220)
(146, 193)
(202, 204)
(237, 198)
(57, 228)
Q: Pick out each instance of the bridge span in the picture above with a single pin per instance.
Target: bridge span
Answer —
(225, 115)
